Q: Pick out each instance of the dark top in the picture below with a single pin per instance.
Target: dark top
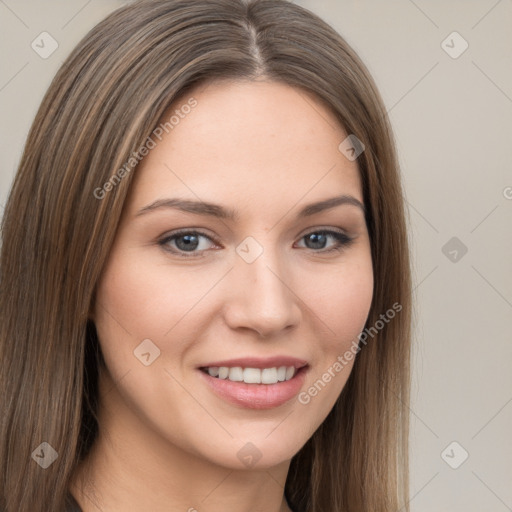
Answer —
(71, 504)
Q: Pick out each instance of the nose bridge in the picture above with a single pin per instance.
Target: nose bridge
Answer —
(263, 300)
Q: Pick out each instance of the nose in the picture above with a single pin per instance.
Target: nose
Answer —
(260, 296)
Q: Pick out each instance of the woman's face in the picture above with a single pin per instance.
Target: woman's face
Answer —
(223, 261)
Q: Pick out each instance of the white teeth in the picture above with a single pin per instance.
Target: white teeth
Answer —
(269, 376)
(236, 374)
(253, 375)
(213, 371)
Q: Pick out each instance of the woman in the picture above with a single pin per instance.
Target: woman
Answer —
(205, 277)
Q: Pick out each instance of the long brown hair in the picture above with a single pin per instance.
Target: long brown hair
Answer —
(100, 109)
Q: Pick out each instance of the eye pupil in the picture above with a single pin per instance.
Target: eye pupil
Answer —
(191, 242)
(188, 242)
(317, 238)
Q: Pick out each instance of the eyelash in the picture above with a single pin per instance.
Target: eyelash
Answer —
(342, 240)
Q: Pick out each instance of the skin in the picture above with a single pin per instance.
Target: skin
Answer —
(167, 442)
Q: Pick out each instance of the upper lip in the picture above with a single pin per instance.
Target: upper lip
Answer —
(259, 362)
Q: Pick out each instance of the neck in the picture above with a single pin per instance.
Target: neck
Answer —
(131, 467)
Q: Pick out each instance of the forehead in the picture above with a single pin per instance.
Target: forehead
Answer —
(247, 140)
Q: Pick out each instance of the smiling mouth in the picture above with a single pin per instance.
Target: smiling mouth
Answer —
(272, 375)
(256, 388)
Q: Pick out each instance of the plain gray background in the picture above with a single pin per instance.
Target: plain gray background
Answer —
(452, 115)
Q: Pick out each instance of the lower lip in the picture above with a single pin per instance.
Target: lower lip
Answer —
(257, 396)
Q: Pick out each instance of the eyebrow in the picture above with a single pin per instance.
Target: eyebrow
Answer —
(216, 210)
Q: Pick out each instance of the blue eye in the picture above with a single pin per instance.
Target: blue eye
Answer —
(188, 243)
(318, 239)
(185, 241)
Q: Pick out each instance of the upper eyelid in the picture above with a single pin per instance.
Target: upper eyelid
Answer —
(198, 231)
(181, 232)
(185, 231)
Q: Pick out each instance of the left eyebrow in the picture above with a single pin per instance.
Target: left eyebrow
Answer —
(313, 208)
(216, 210)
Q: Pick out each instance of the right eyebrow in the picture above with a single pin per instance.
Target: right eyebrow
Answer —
(219, 211)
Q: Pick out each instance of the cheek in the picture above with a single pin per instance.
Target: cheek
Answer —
(341, 302)
(140, 300)
(125, 314)
(340, 311)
